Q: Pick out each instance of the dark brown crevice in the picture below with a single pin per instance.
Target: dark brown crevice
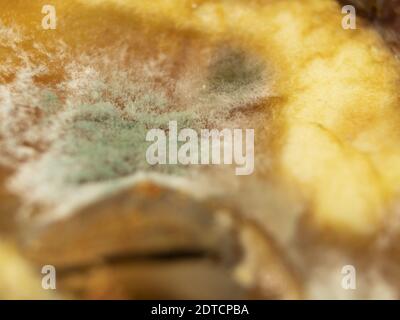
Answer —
(384, 15)
(126, 259)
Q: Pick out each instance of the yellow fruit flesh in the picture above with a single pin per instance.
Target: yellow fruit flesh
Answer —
(340, 139)
(340, 116)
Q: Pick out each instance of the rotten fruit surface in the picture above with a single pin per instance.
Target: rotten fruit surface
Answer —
(76, 104)
(154, 242)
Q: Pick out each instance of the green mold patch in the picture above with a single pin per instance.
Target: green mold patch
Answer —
(100, 144)
(232, 70)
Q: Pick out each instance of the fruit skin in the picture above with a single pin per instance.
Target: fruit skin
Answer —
(149, 241)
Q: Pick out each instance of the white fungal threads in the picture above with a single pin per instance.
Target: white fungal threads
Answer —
(196, 150)
(49, 21)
